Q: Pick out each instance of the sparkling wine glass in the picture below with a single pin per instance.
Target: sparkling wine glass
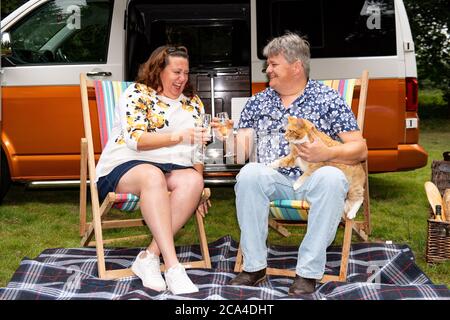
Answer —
(224, 124)
(204, 121)
(225, 129)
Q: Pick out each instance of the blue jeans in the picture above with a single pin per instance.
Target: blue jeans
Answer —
(257, 185)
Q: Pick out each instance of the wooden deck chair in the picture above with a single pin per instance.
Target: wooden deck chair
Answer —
(295, 212)
(98, 101)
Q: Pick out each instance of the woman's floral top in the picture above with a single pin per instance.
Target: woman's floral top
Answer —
(146, 111)
(141, 110)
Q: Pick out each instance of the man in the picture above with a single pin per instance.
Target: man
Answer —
(292, 93)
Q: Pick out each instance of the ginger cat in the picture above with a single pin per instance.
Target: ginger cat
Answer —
(302, 130)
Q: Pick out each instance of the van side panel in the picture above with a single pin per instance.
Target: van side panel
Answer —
(41, 105)
(31, 145)
(412, 134)
(25, 109)
(385, 112)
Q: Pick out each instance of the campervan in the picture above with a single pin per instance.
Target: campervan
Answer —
(46, 44)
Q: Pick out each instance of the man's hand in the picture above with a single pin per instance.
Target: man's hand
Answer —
(215, 125)
(353, 150)
(315, 151)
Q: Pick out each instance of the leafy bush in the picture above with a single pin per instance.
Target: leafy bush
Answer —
(433, 105)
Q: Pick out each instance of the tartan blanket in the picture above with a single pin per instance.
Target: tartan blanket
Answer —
(377, 271)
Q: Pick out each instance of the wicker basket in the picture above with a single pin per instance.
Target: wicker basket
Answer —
(438, 235)
(438, 241)
(440, 174)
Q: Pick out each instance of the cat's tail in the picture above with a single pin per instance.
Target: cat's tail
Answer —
(352, 206)
(355, 195)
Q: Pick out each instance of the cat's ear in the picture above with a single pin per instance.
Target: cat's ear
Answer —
(292, 120)
(300, 122)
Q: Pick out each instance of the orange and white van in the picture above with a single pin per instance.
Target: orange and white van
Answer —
(46, 44)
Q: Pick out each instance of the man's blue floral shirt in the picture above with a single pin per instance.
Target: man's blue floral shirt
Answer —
(265, 113)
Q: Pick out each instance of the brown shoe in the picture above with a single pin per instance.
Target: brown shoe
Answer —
(302, 285)
(249, 278)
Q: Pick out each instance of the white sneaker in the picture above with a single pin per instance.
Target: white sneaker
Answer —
(149, 271)
(178, 281)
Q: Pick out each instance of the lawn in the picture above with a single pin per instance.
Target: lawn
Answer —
(34, 220)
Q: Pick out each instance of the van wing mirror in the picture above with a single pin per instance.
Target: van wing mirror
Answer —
(6, 44)
(6, 50)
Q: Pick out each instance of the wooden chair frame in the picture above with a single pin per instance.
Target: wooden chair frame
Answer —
(88, 230)
(361, 228)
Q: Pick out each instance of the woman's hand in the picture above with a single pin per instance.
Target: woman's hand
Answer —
(203, 207)
(193, 135)
(204, 202)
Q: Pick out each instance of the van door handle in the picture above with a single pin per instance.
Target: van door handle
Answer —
(99, 74)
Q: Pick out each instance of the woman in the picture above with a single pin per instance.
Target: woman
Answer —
(150, 152)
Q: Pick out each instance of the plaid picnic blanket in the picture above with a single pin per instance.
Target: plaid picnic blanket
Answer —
(377, 271)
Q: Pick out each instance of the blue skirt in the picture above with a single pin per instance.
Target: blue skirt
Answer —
(109, 182)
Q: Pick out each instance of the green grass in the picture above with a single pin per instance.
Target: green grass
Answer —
(34, 220)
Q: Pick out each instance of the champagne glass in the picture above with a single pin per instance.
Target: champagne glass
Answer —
(224, 125)
(225, 129)
(204, 121)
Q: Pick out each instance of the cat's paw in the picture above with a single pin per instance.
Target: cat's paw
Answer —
(274, 165)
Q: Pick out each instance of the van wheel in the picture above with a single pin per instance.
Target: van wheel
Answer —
(5, 181)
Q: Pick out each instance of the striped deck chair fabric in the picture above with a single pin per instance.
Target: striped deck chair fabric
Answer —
(344, 87)
(107, 95)
(297, 210)
(294, 210)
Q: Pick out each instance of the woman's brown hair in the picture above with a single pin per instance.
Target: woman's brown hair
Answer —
(150, 70)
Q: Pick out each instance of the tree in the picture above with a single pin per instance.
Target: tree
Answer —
(429, 20)
(9, 6)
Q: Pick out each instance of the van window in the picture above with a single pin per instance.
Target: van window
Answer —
(63, 31)
(352, 28)
(216, 35)
(218, 43)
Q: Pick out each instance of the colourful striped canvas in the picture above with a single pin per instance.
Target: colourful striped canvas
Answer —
(297, 210)
(107, 94)
(344, 87)
(126, 201)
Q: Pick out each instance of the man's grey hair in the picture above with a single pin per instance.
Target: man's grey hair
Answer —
(292, 47)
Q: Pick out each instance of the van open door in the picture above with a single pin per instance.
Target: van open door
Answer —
(217, 37)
